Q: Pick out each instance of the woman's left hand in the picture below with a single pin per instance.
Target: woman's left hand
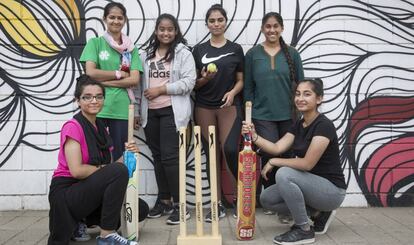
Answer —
(152, 93)
(137, 122)
(266, 169)
(131, 146)
(227, 99)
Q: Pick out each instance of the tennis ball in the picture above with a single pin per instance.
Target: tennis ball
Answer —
(212, 67)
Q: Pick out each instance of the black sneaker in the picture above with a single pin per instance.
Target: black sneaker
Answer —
(268, 212)
(159, 210)
(234, 204)
(174, 218)
(221, 213)
(284, 218)
(322, 221)
(295, 236)
(80, 234)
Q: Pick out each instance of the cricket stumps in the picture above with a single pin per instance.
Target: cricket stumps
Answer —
(199, 238)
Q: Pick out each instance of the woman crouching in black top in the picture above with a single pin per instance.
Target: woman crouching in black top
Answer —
(312, 181)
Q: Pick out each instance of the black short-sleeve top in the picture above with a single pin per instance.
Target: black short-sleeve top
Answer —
(329, 165)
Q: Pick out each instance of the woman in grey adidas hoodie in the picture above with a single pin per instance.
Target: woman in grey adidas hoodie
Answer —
(169, 77)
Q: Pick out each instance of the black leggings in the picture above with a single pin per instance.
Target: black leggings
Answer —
(118, 130)
(71, 200)
(162, 139)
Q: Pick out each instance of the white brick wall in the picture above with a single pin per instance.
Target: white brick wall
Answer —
(25, 177)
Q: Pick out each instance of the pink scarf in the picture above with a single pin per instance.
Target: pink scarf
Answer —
(125, 49)
(126, 44)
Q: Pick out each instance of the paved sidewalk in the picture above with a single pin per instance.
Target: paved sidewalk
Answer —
(351, 226)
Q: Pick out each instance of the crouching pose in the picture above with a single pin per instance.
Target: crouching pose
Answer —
(86, 183)
(312, 181)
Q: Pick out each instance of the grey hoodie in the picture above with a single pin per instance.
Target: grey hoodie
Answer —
(182, 81)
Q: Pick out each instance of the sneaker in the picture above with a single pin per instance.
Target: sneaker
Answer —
(114, 239)
(159, 210)
(80, 234)
(174, 218)
(268, 212)
(221, 213)
(322, 221)
(295, 236)
(234, 204)
(284, 218)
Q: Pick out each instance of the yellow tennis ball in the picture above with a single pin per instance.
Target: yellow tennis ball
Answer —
(211, 67)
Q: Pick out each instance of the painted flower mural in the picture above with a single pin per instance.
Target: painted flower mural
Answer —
(363, 50)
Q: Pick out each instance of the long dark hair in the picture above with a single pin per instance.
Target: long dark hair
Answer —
(153, 43)
(84, 80)
(216, 7)
(285, 50)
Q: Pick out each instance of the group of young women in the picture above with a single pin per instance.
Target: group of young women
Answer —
(90, 180)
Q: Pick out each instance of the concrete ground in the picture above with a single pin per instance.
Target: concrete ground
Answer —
(351, 226)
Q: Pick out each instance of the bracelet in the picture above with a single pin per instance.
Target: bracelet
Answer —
(118, 74)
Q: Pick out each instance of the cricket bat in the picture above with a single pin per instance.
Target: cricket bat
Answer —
(246, 186)
(130, 211)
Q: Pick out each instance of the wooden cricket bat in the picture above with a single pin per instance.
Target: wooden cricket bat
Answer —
(130, 209)
(246, 186)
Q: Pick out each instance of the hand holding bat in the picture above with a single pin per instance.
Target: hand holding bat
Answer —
(131, 146)
(249, 128)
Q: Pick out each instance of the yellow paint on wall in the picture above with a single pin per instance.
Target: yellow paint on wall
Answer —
(26, 32)
(69, 6)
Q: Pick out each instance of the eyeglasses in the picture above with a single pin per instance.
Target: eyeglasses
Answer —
(89, 98)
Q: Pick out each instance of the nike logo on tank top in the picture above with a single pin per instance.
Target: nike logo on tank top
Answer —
(206, 60)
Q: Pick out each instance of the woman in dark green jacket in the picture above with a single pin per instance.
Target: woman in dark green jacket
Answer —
(271, 70)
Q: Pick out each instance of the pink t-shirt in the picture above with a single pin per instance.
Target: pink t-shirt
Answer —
(73, 130)
(159, 75)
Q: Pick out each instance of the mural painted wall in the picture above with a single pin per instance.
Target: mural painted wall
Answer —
(364, 51)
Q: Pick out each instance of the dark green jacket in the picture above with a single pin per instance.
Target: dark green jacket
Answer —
(269, 88)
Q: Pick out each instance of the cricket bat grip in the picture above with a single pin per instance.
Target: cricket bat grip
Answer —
(130, 122)
(248, 108)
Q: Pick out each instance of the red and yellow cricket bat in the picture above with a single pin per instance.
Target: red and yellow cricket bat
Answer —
(246, 186)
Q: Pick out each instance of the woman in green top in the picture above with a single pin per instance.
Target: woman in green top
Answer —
(113, 60)
(271, 71)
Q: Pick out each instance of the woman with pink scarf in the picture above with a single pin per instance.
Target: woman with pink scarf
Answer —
(113, 60)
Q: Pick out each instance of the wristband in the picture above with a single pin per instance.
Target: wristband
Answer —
(118, 74)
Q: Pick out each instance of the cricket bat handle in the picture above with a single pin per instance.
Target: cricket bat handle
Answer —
(248, 108)
(131, 117)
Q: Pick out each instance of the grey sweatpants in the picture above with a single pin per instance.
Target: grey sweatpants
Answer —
(296, 190)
